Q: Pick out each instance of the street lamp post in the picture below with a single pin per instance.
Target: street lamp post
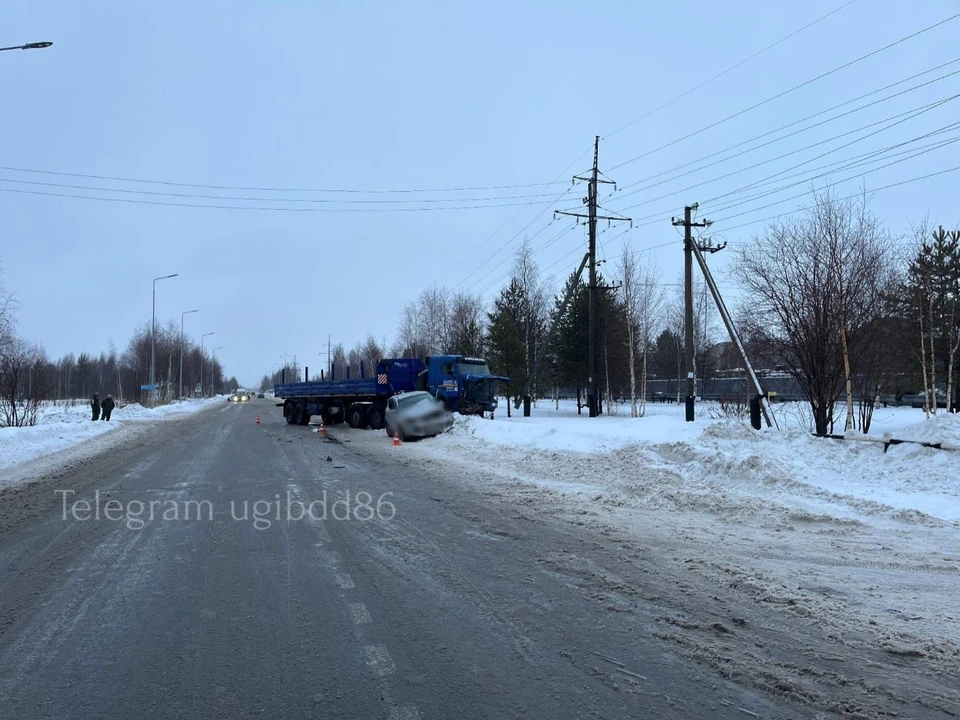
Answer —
(185, 312)
(153, 341)
(201, 361)
(214, 361)
(28, 46)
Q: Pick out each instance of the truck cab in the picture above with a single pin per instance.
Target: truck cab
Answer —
(463, 383)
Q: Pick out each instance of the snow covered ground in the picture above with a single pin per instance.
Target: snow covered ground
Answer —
(64, 425)
(864, 543)
(725, 458)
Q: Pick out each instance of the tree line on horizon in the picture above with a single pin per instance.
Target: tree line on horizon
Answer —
(848, 309)
(28, 377)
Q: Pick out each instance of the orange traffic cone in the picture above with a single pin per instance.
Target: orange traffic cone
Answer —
(258, 418)
(396, 438)
(320, 431)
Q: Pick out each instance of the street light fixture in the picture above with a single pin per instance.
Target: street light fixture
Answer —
(185, 312)
(201, 360)
(214, 362)
(153, 341)
(29, 46)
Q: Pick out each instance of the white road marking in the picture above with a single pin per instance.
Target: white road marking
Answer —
(404, 712)
(379, 660)
(359, 613)
(344, 581)
(330, 556)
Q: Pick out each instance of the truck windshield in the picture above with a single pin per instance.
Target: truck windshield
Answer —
(468, 367)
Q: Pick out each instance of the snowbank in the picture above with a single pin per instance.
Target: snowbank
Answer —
(62, 426)
(722, 466)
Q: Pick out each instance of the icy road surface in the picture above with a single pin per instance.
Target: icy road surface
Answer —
(667, 578)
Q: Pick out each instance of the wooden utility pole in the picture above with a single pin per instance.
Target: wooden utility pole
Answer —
(593, 180)
(688, 225)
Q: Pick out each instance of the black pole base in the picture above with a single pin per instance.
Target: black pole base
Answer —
(755, 411)
(526, 406)
(690, 402)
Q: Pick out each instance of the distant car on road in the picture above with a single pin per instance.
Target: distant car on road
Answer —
(238, 397)
(260, 395)
(416, 414)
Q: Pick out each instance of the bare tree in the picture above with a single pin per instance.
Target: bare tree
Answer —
(22, 383)
(858, 249)
(815, 284)
(643, 299)
(467, 324)
(630, 281)
(535, 303)
(425, 324)
(651, 298)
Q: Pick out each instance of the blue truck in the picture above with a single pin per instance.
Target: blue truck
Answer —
(464, 384)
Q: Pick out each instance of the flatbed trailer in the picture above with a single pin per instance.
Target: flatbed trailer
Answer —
(464, 384)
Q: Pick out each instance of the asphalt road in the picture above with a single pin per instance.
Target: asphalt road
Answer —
(436, 608)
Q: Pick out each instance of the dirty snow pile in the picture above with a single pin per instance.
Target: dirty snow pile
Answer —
(723, 465)
(65, 424)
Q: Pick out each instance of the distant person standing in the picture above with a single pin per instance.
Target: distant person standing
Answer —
(95, 406)
(107, 406)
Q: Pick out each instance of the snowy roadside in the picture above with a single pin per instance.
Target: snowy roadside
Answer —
(64, 427)
(860, 545)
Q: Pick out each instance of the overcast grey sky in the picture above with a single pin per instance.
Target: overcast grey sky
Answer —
(389, 95)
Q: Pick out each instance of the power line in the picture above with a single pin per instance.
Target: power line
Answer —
(508, 257)
(321, 201)
(132, 201)
(914, 154)
(517, 214)
(790, 90)
(848, 197)
(851, 162)
(788, 135)
(277, 189)
(838, 182)
(898, 120)
(729, 69)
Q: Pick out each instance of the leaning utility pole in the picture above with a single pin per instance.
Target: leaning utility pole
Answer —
(758, 395)
(688, 226)
(591, 202)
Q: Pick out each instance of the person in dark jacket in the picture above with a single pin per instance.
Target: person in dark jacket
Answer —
(95, 406)
(107, 406)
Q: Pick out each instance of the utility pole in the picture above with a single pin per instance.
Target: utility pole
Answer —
(764, 403)
(592, 205)
(688, 225)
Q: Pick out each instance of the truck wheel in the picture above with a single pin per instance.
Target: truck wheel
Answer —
(297, 414)
(305, 419)
(357, 416)
(375, 418)
(288, 413)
